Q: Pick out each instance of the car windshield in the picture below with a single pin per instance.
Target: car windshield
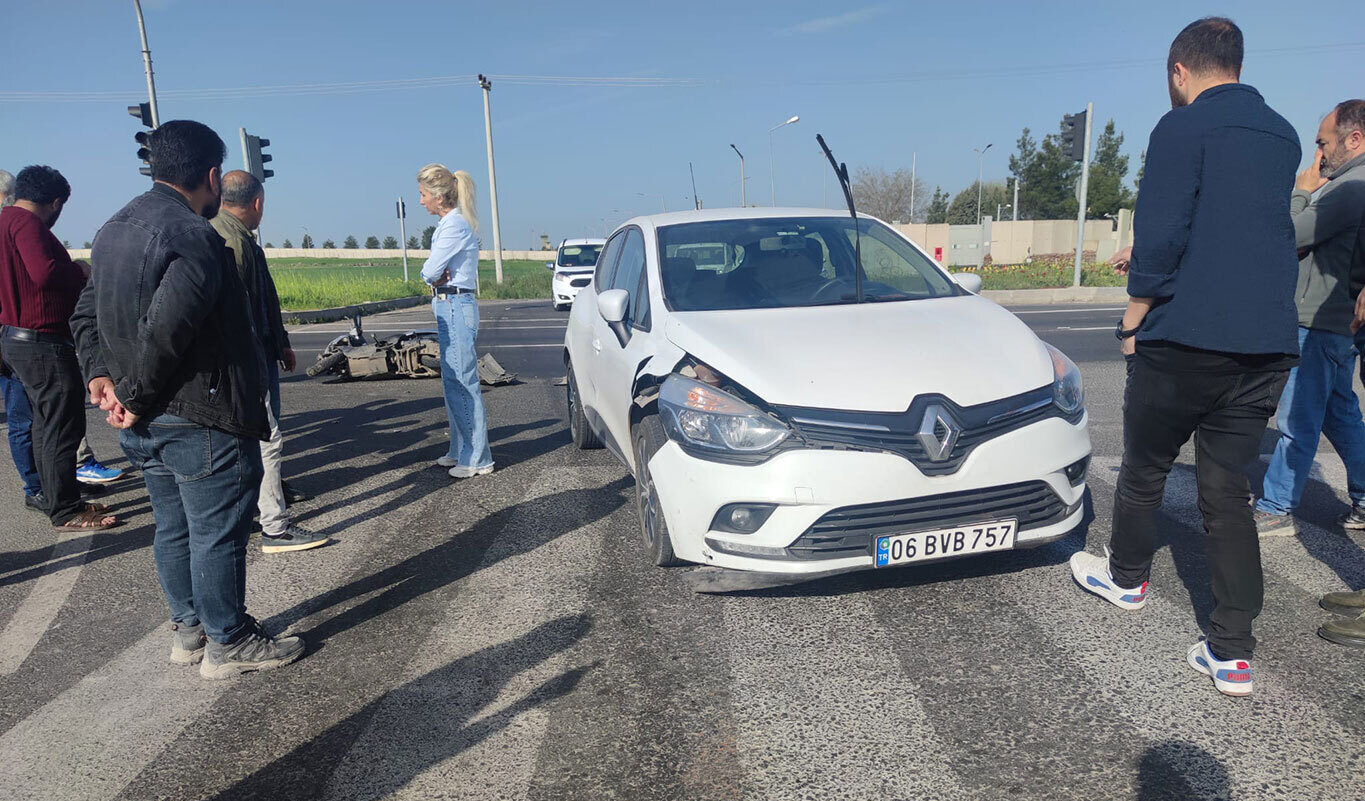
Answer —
(786, 262)
(579, 255)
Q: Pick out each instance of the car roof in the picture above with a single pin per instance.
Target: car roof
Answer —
(746, 213)
(583, 241)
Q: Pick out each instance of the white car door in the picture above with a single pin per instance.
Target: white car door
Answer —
(583, 336)
(619, 361)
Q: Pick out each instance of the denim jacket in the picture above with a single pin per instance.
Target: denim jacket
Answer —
(166, 318)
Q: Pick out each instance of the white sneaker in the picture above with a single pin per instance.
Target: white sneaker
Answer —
(470, 472)
(1091, 572)
(1230, 676)
(447, 462)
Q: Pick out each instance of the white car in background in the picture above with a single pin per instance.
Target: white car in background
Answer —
(573, 267)
(783, 412)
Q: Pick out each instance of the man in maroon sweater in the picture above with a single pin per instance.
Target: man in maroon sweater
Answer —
(39, 285)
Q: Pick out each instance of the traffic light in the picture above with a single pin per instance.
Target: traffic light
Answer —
(255, 159)
(1073, 136)
(143, 111)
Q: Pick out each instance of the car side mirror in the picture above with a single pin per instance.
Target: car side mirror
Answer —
(549, 265)
(612, 306)
(968, 281)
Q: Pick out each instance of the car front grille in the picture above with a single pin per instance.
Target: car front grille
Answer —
(852, 530)
(898, 432)
(580, 282)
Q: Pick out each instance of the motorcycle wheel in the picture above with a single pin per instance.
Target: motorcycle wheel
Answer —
(325, 364)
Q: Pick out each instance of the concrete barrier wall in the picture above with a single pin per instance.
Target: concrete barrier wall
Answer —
(1015, 242)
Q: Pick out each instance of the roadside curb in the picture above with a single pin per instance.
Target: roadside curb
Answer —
(346, 312)
(1005, 297)
(1070, 294)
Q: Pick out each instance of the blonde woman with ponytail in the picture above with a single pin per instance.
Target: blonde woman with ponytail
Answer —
(452, 272)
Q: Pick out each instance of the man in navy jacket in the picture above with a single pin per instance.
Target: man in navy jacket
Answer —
(1210, 334)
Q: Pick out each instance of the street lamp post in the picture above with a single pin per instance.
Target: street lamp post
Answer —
(743, 198)
(147, 66)
(980, 156)
(772, 181)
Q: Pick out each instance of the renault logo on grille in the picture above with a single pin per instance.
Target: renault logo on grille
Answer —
(938, 433)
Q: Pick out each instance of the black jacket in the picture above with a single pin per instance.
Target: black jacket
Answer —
(1213, 241)
(167, 319)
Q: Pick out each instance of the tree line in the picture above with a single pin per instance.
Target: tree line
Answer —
(371, 242)
(1047, 181)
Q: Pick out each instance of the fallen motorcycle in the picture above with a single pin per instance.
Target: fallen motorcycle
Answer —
(414, 354)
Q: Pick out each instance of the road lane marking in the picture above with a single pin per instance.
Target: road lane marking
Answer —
(44, 601)
(547, 345)
(1091, 328)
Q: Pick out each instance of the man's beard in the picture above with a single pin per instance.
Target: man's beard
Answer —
(210, 211)
(1333, 161)
(1176, 100)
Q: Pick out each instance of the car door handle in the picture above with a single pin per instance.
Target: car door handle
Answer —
(596, 345)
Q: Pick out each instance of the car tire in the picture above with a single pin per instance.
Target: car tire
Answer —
(579, 429)
(559, 307)
(648, 437)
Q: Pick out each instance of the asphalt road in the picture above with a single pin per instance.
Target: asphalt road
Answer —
(503, 637)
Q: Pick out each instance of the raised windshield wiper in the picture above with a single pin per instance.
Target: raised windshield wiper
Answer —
(841, 172)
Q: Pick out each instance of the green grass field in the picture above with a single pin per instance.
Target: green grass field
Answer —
(326, 283)
(305, 283)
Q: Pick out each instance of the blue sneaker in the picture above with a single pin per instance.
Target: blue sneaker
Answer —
(1091, 572)
(92, 472)
(1230, 676)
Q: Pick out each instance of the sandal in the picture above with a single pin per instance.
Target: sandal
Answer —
(87, 520)
(92, 506)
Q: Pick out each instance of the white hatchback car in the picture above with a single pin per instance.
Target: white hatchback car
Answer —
(573, 265)
(784, 412)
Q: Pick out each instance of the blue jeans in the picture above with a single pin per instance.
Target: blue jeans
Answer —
(19, 420)
(203, 485)
(457, 323)
(1319, 399)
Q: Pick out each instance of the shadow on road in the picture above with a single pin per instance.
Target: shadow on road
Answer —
(539, 521)
(1179, 771)
(435, 716)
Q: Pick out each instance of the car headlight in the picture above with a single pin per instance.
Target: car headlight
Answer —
(701, 416)
(1068, 392)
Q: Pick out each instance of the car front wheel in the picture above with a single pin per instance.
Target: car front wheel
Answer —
(649, 437)
(579, 429)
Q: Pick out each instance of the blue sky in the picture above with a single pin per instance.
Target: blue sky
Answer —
(880, 80)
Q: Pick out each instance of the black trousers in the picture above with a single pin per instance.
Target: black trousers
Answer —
(1227, 414)
(52, 379)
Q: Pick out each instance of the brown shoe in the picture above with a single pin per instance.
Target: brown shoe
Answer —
(88, 520)
(1350, 604)
(1348, 631)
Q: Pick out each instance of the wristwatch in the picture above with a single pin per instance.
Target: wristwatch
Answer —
(1124, 333)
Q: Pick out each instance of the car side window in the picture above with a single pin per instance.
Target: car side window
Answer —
(607, 262)
(629, 269)
(640, 302)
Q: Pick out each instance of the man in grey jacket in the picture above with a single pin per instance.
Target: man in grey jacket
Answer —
(1320, 398)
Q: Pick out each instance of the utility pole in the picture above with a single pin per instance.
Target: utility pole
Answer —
(1081, 196)
(913, 157)
(403, 235)
(1016, 199)
(980, 156)
(147, 64)
(486, 85)
(743, 198)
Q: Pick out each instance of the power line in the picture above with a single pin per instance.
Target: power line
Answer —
(639, 82)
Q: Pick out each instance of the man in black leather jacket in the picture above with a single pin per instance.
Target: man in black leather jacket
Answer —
(165, 338)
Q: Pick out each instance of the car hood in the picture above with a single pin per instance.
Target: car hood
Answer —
(873, 357)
